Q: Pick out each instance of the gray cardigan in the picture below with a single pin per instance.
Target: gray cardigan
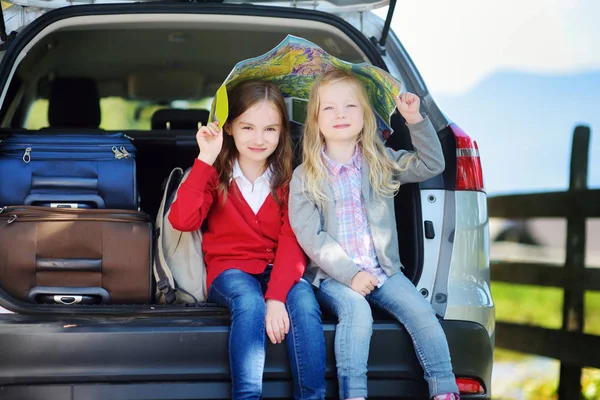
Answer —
(316, 227)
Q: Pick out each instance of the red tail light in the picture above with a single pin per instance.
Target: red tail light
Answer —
(469, 386)
(468, 164)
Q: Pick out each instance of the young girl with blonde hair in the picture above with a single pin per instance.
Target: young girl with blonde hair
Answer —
(342, 211)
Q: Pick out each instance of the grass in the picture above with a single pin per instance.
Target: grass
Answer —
(592, 314)
(548, 390)
(543, 307)
(528, 304)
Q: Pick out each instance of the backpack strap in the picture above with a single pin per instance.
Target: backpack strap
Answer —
(164, 279)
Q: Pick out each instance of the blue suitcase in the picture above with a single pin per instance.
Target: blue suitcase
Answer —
(68, 170)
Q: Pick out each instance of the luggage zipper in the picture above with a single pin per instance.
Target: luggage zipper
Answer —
(33, 213)
(125, 152)
(27, 155)
(119, 153)
(29, 218)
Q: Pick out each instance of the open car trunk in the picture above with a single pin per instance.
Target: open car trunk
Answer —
(156, 56)
(159, 55)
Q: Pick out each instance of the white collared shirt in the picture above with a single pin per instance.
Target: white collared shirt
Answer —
(254, 194)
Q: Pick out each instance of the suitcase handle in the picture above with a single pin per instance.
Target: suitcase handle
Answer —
(77, 293)
(67, 299)
(64, 200)
(64, 182)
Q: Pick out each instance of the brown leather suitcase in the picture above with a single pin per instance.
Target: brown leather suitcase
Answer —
(88, 256)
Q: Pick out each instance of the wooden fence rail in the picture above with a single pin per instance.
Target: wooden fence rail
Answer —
(570, 345)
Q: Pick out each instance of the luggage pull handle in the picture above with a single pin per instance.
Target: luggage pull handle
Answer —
(65, 200)
(64, 192)
(68, 295)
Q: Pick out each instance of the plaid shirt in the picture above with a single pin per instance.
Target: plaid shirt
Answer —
(354, 233)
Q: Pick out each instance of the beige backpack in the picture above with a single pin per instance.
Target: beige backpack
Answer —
(178, 259)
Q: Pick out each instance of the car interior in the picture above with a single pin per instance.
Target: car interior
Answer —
(160, 68)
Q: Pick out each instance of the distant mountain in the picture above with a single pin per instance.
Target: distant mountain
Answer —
(523, 124)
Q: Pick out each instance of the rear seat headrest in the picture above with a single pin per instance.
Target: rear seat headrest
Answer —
(179, 119)
(74, 103)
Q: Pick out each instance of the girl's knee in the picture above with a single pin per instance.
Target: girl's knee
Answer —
(423, 308)
(249, 302)
(349, 306)
(301, 297)
(357, 311)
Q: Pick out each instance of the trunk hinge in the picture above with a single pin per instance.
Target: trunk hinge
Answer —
(380, 44)
(6, 38)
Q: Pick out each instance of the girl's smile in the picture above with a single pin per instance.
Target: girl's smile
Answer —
(341, 115)
(256, 135)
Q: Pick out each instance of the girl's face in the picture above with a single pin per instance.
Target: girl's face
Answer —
(341, 115)
(256, 133)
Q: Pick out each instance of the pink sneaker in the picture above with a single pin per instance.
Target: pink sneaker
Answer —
(447, 396)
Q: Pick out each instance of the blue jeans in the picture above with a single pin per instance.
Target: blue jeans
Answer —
(399, 297)
(242, 294)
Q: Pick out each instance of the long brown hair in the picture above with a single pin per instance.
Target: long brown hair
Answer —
(382, 170)
(242, 97)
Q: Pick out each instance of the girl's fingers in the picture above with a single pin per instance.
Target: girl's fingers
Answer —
(407, 98)
(213, 129)
(282, 330)
(275, 330)
(413, 98)
(270, 332)
(286, 323)
(279, 331)
(204, 132)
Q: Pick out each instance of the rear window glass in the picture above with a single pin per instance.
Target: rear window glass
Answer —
(116, 113)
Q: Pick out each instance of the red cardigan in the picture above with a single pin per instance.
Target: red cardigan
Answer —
(235, 237)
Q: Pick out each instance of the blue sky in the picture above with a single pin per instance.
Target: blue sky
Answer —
(523, 123)
(517, 76)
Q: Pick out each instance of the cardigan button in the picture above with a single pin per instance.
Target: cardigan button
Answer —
(269, 250)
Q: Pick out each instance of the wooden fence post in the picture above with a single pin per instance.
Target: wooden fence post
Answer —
(573, 306)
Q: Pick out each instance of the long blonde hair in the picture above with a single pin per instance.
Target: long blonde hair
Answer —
(382, 169)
